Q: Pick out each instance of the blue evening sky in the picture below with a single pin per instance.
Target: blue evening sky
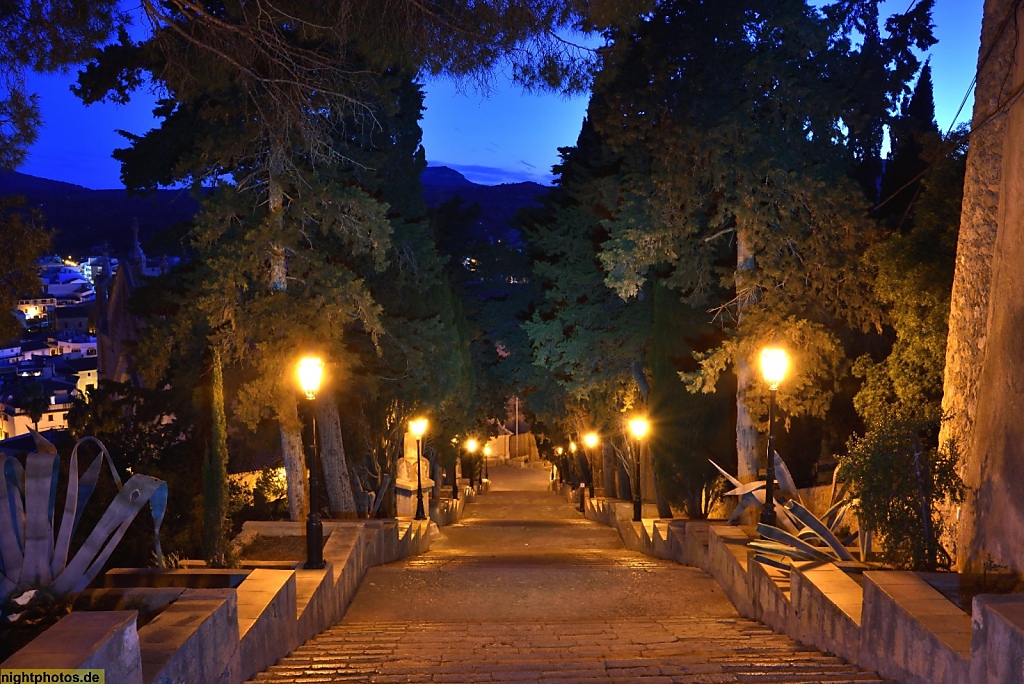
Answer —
(503, 136)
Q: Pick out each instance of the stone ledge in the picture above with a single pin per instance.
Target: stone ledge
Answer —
(771, 600)
(207, 578)
(827, 607)
(910, 632)
(195, 639)
(897, 624)
(727, 563)
(107, 640)
(997, 643)
(265, 599)
(227, 635)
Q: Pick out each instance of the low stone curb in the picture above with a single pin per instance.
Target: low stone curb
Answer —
(896, 624)
(244, 621)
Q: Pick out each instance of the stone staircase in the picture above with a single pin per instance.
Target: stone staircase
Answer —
(643, 650)
(522, 589)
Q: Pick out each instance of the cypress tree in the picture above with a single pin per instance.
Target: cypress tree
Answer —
(215, 471)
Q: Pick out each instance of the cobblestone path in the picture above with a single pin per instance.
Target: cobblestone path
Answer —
(524, 590)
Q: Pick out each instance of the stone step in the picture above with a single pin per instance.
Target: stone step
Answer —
(617, 650)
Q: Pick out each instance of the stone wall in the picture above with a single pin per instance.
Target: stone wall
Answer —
(984, 381)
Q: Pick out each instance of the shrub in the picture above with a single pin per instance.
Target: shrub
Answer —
(896, 472)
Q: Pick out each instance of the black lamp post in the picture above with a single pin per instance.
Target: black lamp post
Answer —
(639, 427)
(471, 447)
(487, 455)
(590, 440)
(310, 373)
(773, 366)
(418, 427)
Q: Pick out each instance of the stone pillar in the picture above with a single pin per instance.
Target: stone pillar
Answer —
(984, 374)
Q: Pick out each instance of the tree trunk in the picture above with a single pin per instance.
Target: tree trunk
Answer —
(435, 475)
(275, 205)
(215, 472)
(291, 432)
(623, 479)
(746, 431)
(664, 509)
(294, 464)
(608, 469)
(332, 456)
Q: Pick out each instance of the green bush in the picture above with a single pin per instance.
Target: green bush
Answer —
(897, 472)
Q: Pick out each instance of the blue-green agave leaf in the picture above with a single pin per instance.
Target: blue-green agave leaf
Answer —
(89, 559)
(775, 534)
(40, 480)
(818, 527)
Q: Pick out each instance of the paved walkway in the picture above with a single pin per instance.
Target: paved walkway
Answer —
(523, 589)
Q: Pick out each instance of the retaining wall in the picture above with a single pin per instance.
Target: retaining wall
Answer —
(893, 622)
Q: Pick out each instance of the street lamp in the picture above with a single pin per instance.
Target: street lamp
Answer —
(417, 428)
(310, 372)
(471, 447)
(583, 476)
(487, 455)
(639, 427)
(774, 363)
(590, 440)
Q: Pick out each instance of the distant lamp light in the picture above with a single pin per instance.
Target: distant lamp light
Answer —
(639, 427)
(559, 450)
(311, 370)
(774, 363)
(572, 447)
(590, 439)
(471, 445)
(418, 427)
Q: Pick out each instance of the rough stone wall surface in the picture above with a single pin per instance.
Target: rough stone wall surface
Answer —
(987, 190)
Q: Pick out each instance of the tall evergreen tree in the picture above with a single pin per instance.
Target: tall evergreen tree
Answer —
(26, 239)
(739, 125)
(215, 470)
(913, 287)
(915, 143)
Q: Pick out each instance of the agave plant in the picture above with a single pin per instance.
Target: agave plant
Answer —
(815, 538)
(33, 552)
(751, 494)
(799, 535)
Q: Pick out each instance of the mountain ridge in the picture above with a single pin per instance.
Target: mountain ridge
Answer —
(84, 218)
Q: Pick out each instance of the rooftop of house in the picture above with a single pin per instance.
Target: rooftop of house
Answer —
(79, 365)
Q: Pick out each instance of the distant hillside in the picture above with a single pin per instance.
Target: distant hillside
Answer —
(498, 203)
(85, 218)
(442, 176)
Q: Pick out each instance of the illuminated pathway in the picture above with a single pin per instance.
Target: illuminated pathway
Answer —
(524, 590)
